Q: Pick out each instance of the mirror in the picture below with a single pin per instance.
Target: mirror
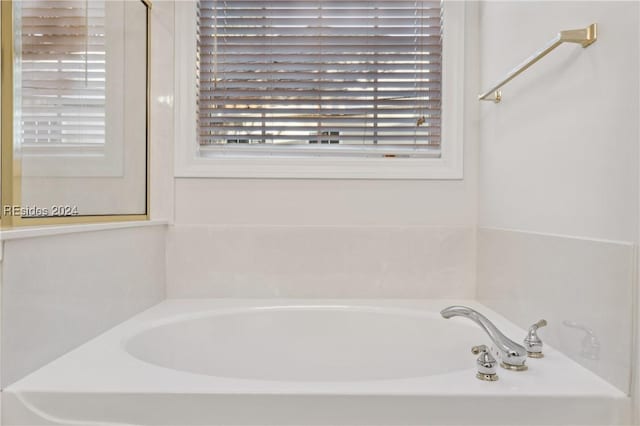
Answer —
(80, 92)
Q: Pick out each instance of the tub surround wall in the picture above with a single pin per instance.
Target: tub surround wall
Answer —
(60, 291)
(327, 262)
(558, 177)
(570, 282)
(322, 238)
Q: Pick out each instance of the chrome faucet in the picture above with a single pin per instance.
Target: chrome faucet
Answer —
(511, 354)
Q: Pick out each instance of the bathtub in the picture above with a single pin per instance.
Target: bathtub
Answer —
(304, 362)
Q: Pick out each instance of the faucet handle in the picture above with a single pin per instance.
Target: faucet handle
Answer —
(486, 363)
(532, 342)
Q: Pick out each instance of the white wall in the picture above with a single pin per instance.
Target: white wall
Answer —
(286, 202)
(60, 291)
(215, 212)
(162, 105)
(558, 176)
(559, 154)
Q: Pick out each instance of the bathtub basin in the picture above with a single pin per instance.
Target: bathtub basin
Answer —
(330, 343)
(304, 362)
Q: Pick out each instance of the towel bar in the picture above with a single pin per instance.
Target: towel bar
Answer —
(584, 36)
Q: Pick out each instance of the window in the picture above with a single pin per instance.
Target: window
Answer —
(287, 72)
(319, 88)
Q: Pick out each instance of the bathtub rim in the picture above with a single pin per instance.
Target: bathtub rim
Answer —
(76, 370)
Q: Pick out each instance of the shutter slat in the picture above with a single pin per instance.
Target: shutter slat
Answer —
(305, 138)
(417, 102)
(206, 122)
(267, 31)
(340, 21)
(280, 95)
(325, 74)
(313, 109)
(353, 49)
(332, 13)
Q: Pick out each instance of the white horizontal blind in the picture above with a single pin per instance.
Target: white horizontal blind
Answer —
(62, 58)
(320, 72)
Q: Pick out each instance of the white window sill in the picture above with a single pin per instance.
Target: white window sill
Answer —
(321, 168)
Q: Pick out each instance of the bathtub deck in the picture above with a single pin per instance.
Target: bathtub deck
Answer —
(102, 382)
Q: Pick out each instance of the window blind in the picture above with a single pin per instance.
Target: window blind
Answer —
(62, 77)
(320, 72)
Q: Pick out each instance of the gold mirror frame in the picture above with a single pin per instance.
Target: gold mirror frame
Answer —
(11, 167)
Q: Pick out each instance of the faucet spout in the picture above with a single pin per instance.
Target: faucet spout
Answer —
(512, 354)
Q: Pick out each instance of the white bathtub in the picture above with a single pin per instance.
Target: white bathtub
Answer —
(235, 362)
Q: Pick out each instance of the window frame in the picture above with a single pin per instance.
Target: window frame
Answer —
(188, 163)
